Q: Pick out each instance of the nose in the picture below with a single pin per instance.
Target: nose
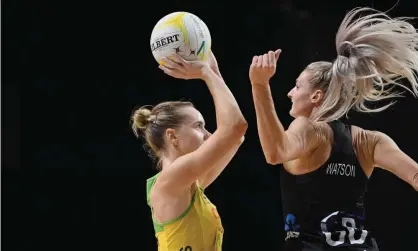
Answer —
(207, 135)
(289, 95)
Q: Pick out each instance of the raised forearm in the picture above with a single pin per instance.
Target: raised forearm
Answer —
(270, 129)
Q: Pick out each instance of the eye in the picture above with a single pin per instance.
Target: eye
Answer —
(297, 87)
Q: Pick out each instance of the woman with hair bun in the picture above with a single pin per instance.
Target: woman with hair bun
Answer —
(189, 158)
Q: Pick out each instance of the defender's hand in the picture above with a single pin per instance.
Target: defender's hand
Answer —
(263, 67)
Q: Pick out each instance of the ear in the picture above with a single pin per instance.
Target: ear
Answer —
(317, 97)
(170, 135)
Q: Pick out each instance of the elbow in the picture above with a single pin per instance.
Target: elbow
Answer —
(240, 127)
(234, 130)
(273, 159)
(275, 156)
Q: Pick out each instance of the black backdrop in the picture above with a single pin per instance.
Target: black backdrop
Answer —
(73, 175)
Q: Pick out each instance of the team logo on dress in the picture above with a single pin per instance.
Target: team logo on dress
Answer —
(291, 227)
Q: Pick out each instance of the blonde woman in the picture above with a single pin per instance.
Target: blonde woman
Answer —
(327, 163)
(189, 158)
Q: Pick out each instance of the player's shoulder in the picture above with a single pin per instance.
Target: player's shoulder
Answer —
(307, 126)
(368, 137)
(357, 130)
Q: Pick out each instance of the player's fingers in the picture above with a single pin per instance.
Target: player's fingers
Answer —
(259, 61)
(172, 72)
(272, 59)
(265, 60)
(168, 62)
(172, 64)
(254, 62)
(277, 53)
(178, 59)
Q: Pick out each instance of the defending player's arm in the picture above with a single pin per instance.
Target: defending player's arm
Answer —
(278, 145)
(387, 155)
(231, 127)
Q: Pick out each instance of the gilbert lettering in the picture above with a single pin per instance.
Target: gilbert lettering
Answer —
(164, 41)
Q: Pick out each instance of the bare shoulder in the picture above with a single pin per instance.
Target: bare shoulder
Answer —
(160, 190)
(163, 185)
(306, 126)
(317, 144)
(367, 140)
(306, 136)
(168, 204)
(380, 150)
(324, 133)
(363, 137)
(364, 143)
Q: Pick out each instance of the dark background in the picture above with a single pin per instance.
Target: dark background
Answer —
(73, 175)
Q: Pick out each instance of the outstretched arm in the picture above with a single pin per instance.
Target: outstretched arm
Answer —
(389, 156)
(270, 130)
(278, 144)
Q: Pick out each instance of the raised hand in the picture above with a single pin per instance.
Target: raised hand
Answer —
(178, 67)
(263, 67)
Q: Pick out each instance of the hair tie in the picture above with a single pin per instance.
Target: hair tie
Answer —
(153, 119)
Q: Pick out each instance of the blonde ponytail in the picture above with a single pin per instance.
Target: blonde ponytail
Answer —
(374, 53)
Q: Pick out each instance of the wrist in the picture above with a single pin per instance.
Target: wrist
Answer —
(207, 72)
(260, 85)
(261, 92)
(217, 72)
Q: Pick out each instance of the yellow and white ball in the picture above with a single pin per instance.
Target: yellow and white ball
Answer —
(183, 33)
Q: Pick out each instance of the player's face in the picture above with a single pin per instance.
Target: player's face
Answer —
(301, 96)
(192, 133)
